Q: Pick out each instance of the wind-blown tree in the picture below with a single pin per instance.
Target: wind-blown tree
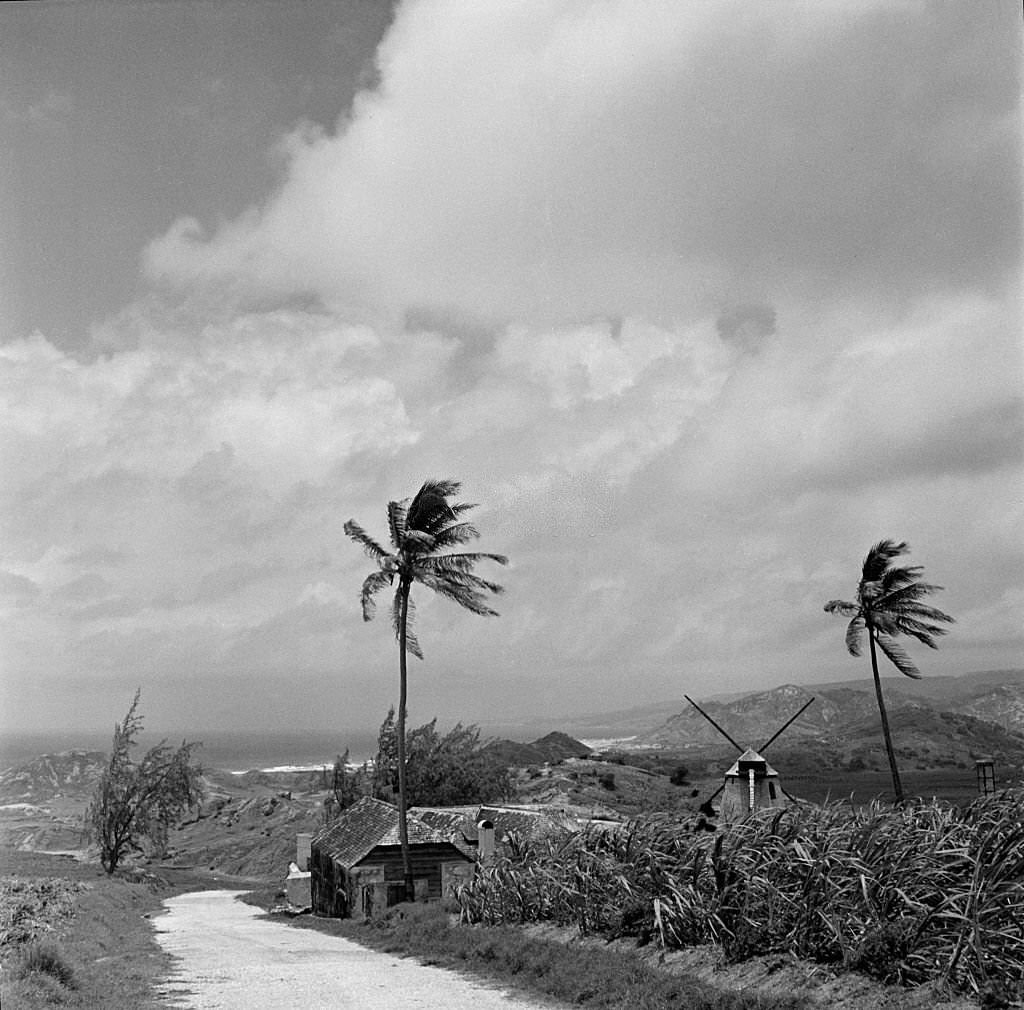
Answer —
(140, 800)
(421, 531)
(889, 604)
(441, 770)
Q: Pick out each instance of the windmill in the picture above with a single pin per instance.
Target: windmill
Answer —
(751, 783)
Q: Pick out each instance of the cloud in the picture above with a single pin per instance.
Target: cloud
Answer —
(698, 300)
(642, 159)
(48, 114)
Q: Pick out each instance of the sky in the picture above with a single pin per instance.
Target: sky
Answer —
(697, 300)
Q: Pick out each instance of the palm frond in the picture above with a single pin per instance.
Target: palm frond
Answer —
(907, 593)
(397, 523)
(457, 577)
(896, 578)
(843, 607)
(455, 534)
(412, 644)
(467, 596)
(853, 632)
(418, 542)
(899, 658)
(372, 584)
(924, 633)
(461, 562)
(921, 612)
(879, 558)
(430, 509)
(361, 537)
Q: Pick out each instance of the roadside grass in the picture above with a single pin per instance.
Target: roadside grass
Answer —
(73, 937)
(537, 967)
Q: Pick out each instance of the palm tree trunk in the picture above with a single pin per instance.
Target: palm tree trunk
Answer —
(897, 785)
(403, 826)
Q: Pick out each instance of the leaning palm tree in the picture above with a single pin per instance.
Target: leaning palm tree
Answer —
(889, 604)
(420, 531)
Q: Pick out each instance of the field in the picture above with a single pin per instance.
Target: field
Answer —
(951, 785)
(930, 893)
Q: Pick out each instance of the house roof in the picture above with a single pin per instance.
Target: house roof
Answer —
(464, 819)
(369, 823)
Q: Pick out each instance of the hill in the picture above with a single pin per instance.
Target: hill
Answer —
(552, 748)
(984, 693)
(71, 773)
(983, 720)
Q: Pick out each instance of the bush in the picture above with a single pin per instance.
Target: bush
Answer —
(44, 957)
(607, 779)
(679, 775)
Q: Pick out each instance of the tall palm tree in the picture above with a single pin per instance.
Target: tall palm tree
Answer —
(419, 532)
(889, 604)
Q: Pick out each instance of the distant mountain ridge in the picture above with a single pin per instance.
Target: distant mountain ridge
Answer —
(950, 724)
(978, 693)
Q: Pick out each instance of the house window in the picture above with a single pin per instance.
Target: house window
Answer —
(771, 790)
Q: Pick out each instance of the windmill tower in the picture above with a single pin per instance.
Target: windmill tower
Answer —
(750, 783)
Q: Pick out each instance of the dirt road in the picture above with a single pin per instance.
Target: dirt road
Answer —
(232, 959)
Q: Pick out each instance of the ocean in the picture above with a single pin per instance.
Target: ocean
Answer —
(235, 751)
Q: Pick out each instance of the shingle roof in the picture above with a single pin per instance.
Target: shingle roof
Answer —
(464, 819)
(518, 820)
(452, 820)
(371, 822)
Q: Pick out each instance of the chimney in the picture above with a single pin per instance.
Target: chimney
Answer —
(484, 840)
(303, 847)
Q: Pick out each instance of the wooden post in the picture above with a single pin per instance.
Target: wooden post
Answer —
(985, 768)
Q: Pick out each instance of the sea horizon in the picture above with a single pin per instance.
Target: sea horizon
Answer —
(235, 750)
(231, 751)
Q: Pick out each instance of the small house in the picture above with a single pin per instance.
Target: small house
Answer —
(356, 861)
(750, 784)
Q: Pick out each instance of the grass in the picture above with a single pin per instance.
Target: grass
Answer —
(929, 893)
(571, 974)
(71, 936)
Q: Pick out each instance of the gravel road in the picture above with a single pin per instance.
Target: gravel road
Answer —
(230, 958)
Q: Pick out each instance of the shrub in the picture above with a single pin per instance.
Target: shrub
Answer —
(679, 775)
(45, 958)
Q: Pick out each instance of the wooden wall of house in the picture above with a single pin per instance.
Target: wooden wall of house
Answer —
(426, 863)
(328, 886)
(338, 893)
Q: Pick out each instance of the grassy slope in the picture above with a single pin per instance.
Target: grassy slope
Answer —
(107, 942)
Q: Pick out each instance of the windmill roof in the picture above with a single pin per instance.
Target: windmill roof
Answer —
(371, 822)
(750, 756)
